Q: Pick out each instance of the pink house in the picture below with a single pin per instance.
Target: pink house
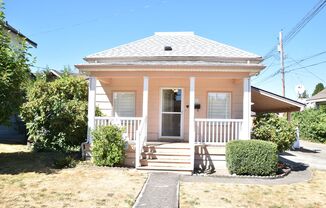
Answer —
(180, 97)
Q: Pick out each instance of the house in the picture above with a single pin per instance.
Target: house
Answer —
(317, 100)
(15, 131)
(180, 97)
(16, 36)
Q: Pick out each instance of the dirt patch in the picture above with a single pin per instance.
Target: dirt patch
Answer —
(21, 185)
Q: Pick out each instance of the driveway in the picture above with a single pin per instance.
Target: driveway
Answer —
(311, 154)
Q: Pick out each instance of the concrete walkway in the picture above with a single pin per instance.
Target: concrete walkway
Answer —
(310, 154)
(160, 191)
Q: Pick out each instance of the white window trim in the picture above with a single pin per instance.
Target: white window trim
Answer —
(113, 105)
(229, 106)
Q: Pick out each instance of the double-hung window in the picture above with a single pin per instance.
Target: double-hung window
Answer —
(219, 105)
(124, 104)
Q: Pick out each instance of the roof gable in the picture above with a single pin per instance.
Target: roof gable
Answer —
(181, 44)
(320, 95)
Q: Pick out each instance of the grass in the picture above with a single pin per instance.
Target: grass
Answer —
(28, 179)
(306, 194)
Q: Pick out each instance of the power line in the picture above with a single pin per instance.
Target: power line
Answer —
(299, 26)
(270, 65)
(313, 74)
(304, 59)
(322, 62)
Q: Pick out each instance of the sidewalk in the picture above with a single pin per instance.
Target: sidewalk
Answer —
(160, 191)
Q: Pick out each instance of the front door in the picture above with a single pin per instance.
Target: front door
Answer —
(171, 112)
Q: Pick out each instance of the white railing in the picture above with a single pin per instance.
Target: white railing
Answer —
(217, 131)
(131, 124)
(141, 137)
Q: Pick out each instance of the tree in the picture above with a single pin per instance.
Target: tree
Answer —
(304, 94)
(14, 72)
(319, 87)
(56, 113)
(271, 127)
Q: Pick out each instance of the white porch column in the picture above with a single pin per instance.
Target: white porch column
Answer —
(139, 141)
(246, 126)
(192, 120)
(145, 104)
(91, 107)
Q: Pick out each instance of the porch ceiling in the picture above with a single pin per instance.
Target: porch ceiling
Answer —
(267, 102)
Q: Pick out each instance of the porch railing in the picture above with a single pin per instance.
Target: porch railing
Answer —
(131, 124)
(217, 131)
(141, 139)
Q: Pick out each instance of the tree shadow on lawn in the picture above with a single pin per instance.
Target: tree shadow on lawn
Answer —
(23, 162)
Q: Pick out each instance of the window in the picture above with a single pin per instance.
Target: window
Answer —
(219, 105)
(124, 104)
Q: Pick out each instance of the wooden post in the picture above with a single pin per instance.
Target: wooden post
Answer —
(246, 125)
(91, 107)
(192, 120)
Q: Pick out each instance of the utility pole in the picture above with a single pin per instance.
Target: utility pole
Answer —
(282, 61)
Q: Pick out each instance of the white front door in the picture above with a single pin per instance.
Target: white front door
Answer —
(171, 113)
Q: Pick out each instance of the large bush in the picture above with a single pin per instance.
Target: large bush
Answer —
(251, 157)
(14, 71)
(56, 113)
(312, 124)
(271, 127)
(108, 146)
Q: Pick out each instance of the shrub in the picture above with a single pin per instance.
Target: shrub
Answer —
(312, 124)
(251, 157)
(271, 127)
(56, 113)
(108, 146)
(65, 162)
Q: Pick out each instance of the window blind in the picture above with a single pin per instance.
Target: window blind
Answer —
(124, 104)
(219, 105)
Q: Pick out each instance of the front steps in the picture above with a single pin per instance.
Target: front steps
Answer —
(171, 157)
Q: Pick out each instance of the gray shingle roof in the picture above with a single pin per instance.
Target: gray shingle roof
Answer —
(183, 44)
(320, 95)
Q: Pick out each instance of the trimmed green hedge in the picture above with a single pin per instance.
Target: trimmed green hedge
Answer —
(252, 157)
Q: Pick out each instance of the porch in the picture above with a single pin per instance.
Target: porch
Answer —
(175, 138)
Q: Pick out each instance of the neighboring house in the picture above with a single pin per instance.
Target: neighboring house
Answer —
(16, 36)
(180, 97)
(317, 100)
(15, 131)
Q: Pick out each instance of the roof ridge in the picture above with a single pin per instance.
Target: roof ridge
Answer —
(174, 33)
(183, 44)
(122, 45)
(226, 46)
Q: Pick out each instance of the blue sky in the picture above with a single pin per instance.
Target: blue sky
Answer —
(67, 31)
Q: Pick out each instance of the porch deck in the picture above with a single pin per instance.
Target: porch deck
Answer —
(207, 151)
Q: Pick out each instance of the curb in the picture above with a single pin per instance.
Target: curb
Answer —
(287, 172)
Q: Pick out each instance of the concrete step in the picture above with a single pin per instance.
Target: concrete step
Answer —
(168, 150)
(174, 160)
(179, 170)
(166, 155)
(165, 163)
